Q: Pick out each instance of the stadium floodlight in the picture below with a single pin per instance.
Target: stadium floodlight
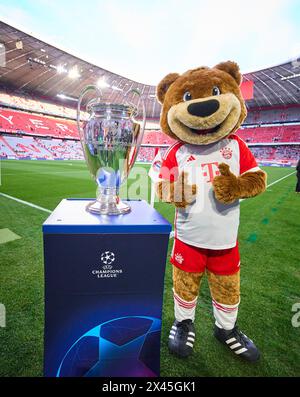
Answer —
(63, 96)
(61, 69)
(36, 60)
(101, 83)
(73, 73)
(114, 87)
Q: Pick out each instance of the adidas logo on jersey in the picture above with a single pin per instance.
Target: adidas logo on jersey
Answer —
(191, 158)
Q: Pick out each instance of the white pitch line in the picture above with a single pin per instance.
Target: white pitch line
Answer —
(278, 180)
(25, 203)
(273, 183)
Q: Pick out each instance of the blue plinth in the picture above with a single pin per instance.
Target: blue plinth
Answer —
(103, 290)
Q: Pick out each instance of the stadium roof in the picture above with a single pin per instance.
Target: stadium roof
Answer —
(31, 65)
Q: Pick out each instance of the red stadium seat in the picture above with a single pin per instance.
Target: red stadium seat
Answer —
(283, 133)
(33, 124)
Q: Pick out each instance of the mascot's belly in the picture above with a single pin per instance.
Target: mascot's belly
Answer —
(207, 223)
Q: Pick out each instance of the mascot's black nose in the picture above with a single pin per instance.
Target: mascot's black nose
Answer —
(203, 109)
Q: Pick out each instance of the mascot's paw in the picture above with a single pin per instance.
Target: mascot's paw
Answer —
(181, 338)
(226, 185)
(238, 343)
(184, 194)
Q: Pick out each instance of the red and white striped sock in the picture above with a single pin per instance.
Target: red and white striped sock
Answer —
(225, 315)
(184, 310)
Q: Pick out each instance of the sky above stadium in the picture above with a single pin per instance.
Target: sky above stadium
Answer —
(146, 39)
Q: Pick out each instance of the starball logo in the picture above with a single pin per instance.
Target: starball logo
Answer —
(107, 270)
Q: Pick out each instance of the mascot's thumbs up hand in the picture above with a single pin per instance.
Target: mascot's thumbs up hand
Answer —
(179, 193)
(229, 187)
(183, 193)
(226, 185)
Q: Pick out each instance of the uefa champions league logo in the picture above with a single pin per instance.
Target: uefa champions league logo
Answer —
(107, 270)
(107, 257)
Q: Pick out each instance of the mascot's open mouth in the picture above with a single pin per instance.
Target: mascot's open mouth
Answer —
(206, 131)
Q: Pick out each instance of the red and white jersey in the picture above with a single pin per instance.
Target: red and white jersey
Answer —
(207, 223)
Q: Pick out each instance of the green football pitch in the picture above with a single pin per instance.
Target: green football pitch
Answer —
(270, 253)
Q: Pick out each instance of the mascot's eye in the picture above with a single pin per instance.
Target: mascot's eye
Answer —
(187, 96)
(216, 91)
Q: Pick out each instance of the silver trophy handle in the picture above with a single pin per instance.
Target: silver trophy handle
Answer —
(137, 140)
(136, 91)
(87, 89)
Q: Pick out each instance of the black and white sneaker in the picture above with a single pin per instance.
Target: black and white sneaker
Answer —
(238, 343)
(182, 338)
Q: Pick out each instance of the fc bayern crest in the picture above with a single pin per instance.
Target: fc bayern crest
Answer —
(226, 153)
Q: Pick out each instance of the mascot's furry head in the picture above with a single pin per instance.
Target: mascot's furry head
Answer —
(202, 105)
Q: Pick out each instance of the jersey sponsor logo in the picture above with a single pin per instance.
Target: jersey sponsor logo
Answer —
(210, 170)
(226, 153)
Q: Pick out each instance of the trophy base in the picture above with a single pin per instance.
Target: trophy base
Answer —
(108, 208)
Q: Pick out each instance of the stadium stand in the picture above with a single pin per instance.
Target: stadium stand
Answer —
(147, 153)
(282, 133)
(280, 154)
(25, 101)
(25, 147)
(271, 134)
(38, 104)
(156, 138)
(26, 135)
(36, 124)
(273, 114)
(62, 149)
(33, 128)
(29, 147)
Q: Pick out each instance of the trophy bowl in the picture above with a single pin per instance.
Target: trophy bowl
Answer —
(110, 139)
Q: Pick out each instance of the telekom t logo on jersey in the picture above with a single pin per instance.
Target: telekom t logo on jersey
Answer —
(210, 170)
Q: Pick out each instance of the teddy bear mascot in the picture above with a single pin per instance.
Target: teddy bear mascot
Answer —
(204, 174)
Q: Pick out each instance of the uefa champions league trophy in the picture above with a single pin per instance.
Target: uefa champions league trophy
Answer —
(110, 138)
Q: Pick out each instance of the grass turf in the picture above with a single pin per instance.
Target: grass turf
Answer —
(269, 245)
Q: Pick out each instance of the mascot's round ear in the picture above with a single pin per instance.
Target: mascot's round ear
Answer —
(231, 68)
(164, 85)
